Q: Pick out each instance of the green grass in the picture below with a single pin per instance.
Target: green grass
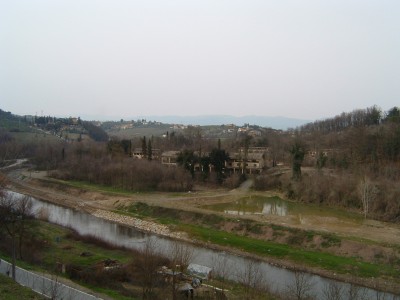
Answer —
(10, 290)
(64, 249)
(312, 258)
(34, 137)
(111, 293)
(92, 187)
(60, 247)
(318, 259)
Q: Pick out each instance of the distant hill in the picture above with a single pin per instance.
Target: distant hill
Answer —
(12, 122)
(263, 121)
(202, 120)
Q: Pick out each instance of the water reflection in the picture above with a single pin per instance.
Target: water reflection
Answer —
(275, 208)
(254, 206)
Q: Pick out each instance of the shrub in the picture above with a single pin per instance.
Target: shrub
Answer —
(263, 182)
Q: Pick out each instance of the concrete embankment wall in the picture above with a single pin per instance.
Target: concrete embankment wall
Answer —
(48, 287)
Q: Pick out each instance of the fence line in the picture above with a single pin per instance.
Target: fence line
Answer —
(50, 288)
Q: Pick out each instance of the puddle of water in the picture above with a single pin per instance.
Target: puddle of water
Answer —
(275, 206)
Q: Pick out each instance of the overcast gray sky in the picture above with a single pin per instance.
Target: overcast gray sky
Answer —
(301, 58)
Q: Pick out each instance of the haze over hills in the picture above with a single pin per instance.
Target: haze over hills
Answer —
(277, 122)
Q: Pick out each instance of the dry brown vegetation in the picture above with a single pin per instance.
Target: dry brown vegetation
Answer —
(90, 164)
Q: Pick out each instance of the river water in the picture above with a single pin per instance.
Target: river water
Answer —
(234, 267)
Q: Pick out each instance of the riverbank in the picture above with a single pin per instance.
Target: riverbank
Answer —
(140, 224)
(95, 202)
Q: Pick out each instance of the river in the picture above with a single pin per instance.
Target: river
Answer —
(233, 266)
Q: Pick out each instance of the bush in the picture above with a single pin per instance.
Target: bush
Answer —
(233, 181)
(264, 183)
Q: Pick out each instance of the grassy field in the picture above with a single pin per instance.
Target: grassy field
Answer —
(58, 245)
(10, 290)
(35, 137)
(206, 230)
(91, 187)
(64, 247)
(338, 264)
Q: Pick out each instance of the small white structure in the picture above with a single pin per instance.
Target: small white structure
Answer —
(199, 271)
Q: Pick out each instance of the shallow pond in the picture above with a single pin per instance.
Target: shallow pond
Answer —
(275, 206)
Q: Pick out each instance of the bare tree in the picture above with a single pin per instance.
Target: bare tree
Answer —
(221, 268)
(301, 287)
(367, 191)
(54, 288)
(380, 295)
(51, 286)
(147, 264)
(333, 291)
(181, 254)
(24, 208)
(252, 279)
(13, 215)
(356, 292)
(3, 183)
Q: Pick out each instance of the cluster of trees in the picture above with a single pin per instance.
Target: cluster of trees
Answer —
(11, 122)
(119, 147)
(369, 185)
(36, 148)
(215, 160)
(95, 132)
(93, 163)
(44, 120)
(357, 118)
(376, 197)
(147, 149)
(83, 127)
(355, 159)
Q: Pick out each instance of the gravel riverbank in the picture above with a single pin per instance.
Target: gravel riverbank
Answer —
(143, 225)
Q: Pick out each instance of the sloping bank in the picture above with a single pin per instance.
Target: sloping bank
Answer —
(140, 224)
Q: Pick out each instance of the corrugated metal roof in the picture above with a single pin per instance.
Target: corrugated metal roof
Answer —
(199, 271)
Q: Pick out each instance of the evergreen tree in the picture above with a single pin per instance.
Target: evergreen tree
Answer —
(218, 157)
(298, 153)
(149, 151)
(144, 147)
(187, 159)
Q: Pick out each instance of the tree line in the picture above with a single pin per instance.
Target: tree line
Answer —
(356, 160)
(94, 163)
(357, 118)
